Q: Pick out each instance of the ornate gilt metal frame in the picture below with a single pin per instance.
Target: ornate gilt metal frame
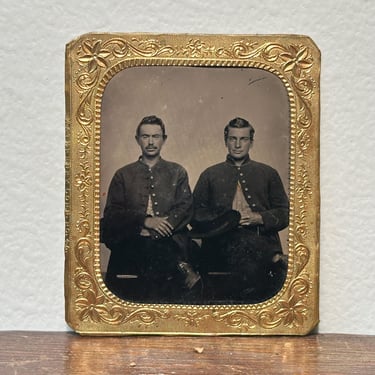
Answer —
(91, 61)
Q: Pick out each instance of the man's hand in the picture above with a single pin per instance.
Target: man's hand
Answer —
(249, 217)
(160, 225)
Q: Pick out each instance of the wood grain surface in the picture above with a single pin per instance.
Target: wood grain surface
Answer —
(68, 353)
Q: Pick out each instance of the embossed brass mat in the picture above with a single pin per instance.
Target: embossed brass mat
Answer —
(94, 62)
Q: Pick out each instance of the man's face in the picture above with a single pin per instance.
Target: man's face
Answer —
(150, 139)
(238, 142)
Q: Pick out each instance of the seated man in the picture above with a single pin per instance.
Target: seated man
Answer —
(148, 206)
(240, 205)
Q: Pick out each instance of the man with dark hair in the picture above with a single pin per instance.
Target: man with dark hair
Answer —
(148, 206)
(240, 205)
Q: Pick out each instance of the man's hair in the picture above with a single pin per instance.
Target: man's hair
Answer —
(239, 122)
(153, 120)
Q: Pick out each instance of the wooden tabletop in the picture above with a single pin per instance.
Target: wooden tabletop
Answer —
(68, 353)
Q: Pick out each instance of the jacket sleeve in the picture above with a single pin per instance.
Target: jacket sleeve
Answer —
(204, 211)
(181, 210)
(276, 217)
(119, 221)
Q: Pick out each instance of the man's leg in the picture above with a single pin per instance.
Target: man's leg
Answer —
(250, 257)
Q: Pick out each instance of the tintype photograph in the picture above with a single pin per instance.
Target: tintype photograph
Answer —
(192, 198)
(192, 184)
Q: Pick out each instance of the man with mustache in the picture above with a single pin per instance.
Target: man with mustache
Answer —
(148, 206)
(240, 205)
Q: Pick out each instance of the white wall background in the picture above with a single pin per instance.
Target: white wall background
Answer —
(33, 35)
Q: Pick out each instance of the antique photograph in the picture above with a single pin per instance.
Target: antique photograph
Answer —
(194, 185)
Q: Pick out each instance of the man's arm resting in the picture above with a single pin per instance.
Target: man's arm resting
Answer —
(249, 217)
(160, 225)
(276, 217)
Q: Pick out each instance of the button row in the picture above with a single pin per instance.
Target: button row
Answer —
(246, 189)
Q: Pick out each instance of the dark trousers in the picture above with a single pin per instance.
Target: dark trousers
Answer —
(155, 265)
(247, 257)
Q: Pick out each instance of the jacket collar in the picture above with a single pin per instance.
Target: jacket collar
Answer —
(160, 161)
(230, 160)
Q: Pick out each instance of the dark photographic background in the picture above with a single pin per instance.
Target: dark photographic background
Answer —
(195, 104)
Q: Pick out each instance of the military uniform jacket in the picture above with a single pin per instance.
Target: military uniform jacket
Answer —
(128, 196)
(261, 187)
